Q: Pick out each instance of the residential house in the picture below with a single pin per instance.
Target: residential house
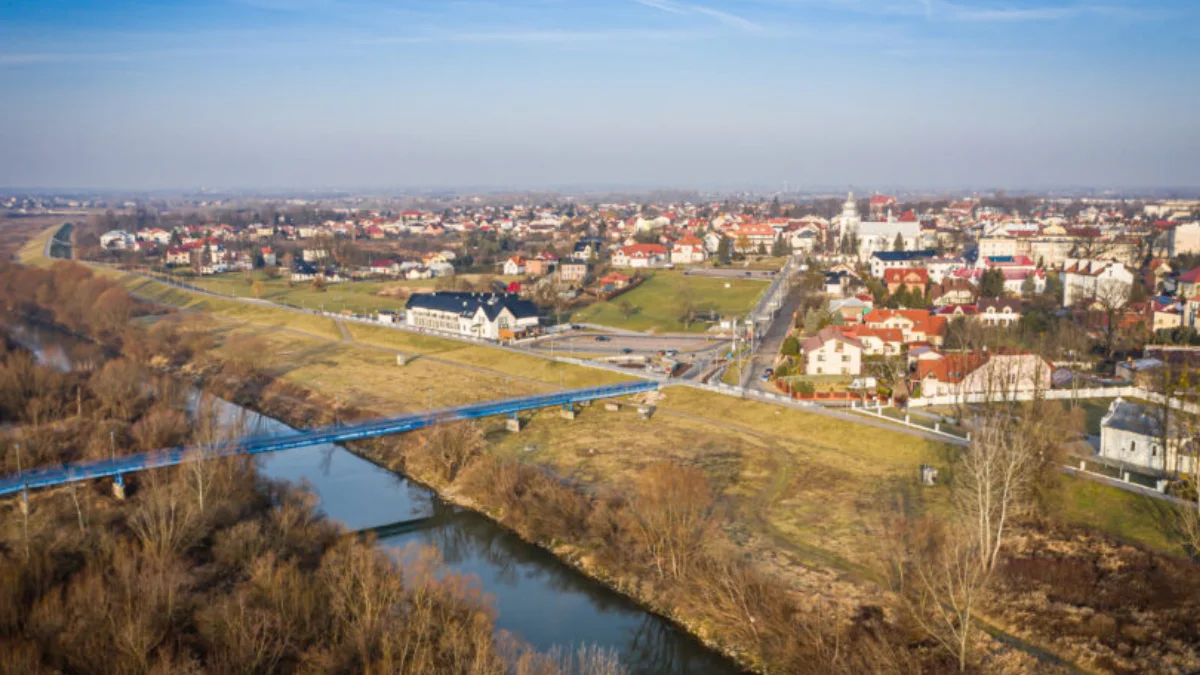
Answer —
(1132, 434)
(837, 283)
(177, 255)
(1002, 312)
(312, 255)
(952, 292)
(514, 266)
(687, 250)
(754, 237)
(880, 261)
(830, 352)
(574, 270)
(640, 255)
(493, 316)
(1104, 281)
(916, 325)
(851, 309)
(117, 240)
(269, 257)
(996, 376)
(614, 281)
(875, 341)
(541, 264)
(912, 279)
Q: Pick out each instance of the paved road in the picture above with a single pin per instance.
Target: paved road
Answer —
(772, 340)
(617, 344)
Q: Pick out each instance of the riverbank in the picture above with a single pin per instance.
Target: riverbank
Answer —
(388, 454)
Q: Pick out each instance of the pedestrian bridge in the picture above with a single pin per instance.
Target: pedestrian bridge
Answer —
(118, 466)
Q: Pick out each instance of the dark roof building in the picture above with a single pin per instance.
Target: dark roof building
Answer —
(467, 304)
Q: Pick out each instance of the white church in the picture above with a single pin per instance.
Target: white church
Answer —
(877, 235)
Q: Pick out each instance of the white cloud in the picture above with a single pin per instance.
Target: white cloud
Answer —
(727, 18)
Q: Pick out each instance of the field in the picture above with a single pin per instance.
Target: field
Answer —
(358, 297)
(657, 304)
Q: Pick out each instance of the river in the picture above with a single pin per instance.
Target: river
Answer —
(535, 596)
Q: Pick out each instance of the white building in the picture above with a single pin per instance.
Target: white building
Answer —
(687, 250)
(1107, 281)
(829, 352)
(117, 240)
(492, 316)
(1132, 434)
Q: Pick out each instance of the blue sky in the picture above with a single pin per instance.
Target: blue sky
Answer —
(527, 93)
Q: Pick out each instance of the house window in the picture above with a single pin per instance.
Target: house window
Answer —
(1154, 450)
(845, 358)
(1132, 446)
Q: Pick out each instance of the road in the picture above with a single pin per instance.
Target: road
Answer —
(600, 343)
(771, 341)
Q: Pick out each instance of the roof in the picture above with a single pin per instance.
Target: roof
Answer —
(903, 256)
(825, 335)
(922, 320)
(898, 274)
(1134, 417)
(859, 332)
(467, 304)
(951, 368)
(1190, 276)
(643, 250)
(998, 305)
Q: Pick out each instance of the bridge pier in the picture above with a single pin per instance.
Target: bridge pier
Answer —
(24, 503)
(513, 423)
(568, 411)
(119, 487)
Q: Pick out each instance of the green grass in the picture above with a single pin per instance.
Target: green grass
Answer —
(1126, 515)
(658, 303)
(358, 297)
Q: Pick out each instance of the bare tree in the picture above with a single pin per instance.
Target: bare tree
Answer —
(991, 483)
(673, 514)
(949, 578)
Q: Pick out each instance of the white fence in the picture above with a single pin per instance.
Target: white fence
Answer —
(1052, 394)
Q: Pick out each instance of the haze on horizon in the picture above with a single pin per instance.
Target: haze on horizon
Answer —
(327, 93)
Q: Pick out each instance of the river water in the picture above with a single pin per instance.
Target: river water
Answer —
(535, 597)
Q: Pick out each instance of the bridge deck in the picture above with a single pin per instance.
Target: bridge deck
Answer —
(253, 445)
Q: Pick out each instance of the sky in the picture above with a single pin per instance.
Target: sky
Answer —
(708, 94)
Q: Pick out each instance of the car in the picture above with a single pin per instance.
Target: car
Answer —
(671, 352)
(626, 350)
(603, 338)
(766, 377)
(748, 273)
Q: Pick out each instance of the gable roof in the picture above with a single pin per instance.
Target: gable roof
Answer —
(825, 335)
(467, 304)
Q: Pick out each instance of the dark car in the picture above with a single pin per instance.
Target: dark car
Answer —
(626, 350)
(602, 338)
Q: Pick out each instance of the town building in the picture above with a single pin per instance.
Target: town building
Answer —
(1132, 434)
(492, 316)
(687, 250)
(996, 376)
(830, 352)
(117, 240)
(1104, 281)
(574, 270)
(514, 266)
(882, 261)
(911, 279)
(640, 255)
(999, 312)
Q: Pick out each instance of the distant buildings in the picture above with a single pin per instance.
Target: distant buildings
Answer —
(1103, 281)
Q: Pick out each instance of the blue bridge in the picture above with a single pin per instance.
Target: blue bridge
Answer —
(118, 466)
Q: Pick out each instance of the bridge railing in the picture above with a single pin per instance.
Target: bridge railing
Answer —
(262, 443)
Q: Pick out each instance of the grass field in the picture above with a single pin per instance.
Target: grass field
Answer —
(359, 297)
(658, 304)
